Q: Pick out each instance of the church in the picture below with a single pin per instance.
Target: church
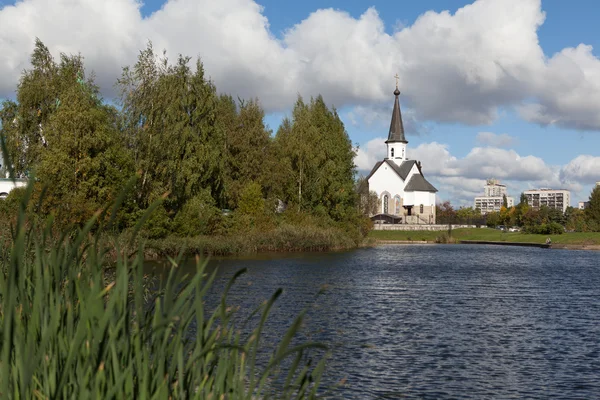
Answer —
(404, 195)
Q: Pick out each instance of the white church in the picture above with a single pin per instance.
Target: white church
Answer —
(405, 196)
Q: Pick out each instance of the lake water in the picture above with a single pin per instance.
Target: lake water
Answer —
(440, 321)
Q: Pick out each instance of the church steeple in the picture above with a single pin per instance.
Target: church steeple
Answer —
(396, 133)
(396, 142)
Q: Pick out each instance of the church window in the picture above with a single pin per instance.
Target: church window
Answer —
(392, 153)
(421, 209)
(397, 202)
(385, 204)
(402, 153)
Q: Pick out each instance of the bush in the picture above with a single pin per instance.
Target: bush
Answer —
(199, 216)
(553, 228)
(158, 225)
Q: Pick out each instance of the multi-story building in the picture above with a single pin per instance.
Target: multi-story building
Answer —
(493, 197)
(583, 205)
(559, 199)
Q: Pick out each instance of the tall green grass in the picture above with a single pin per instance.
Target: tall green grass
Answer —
(70, 330)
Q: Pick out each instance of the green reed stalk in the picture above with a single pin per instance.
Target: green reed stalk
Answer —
(70, 330)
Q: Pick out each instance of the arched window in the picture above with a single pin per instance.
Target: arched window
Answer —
(385, 204)
(398, 202)
(392, 152)
(402, 153)
(421, 208)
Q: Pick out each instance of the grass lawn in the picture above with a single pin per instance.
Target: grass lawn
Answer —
(588, 238)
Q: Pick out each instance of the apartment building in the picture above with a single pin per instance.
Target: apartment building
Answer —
(493, 197)
(559, 199)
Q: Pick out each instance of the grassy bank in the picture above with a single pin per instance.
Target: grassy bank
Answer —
(487, 234)
(284, 238)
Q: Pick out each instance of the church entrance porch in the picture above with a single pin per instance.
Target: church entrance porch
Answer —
(386, 219)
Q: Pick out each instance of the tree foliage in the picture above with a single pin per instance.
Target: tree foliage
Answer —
(199, 151)
(593, 210)
(60, 130)
(317, 159)
(171, 126)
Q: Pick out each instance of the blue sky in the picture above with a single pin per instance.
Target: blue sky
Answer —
(499, 88)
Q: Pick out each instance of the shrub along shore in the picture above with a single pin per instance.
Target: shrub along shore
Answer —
(285, 238)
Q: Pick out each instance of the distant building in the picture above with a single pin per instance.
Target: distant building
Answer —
(559, 199)
(493, 197)
(7, 185)
(583, 205)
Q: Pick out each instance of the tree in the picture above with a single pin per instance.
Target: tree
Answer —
(367, 199)
(67, 136)
(171, 126)
(575, 220)
(445, 213)
(317, 159)
(249, 155)
(593, 210)
(504, 201)
(523, 199)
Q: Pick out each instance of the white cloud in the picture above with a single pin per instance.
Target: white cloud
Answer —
(454, 67)
(583, 168)
(379, 116)
(366, 157)
(494, 140)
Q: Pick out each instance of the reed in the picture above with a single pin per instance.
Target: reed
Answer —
(70, 330)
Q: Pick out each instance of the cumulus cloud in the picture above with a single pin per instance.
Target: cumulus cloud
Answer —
(495, 140)
(453, 67)
(366, 156)
(583, 168)
(379, 117)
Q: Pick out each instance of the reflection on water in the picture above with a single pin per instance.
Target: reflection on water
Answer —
(438, 321)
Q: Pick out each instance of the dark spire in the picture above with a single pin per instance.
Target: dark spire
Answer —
(396, 127)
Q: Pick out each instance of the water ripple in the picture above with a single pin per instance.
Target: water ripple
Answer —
(435, 322)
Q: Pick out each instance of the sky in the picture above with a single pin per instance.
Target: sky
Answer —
(506, 89)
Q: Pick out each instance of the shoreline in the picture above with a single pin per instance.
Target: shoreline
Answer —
(557, 246)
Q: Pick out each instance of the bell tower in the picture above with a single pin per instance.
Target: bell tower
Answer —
(396, 142)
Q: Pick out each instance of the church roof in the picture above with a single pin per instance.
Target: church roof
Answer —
(396, 133)
(418, 183)
(402, 170)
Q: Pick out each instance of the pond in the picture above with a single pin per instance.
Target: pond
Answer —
(439, 321)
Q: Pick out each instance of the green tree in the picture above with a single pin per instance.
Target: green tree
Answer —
(317, 157)
(575, 220)
(593, 210)
(251, 201)
(504, 201)
(493, 219)
(171, 125)
(249, 154)
(64, 133)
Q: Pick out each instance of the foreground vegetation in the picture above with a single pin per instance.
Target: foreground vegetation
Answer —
(488, 234)
(70, 330)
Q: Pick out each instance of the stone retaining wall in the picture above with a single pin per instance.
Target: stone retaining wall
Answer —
(420, 227)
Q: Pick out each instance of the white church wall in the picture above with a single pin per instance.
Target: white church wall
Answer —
(385, 179)
(422, 198)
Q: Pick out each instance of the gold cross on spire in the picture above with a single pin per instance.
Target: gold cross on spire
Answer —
(397, 77)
